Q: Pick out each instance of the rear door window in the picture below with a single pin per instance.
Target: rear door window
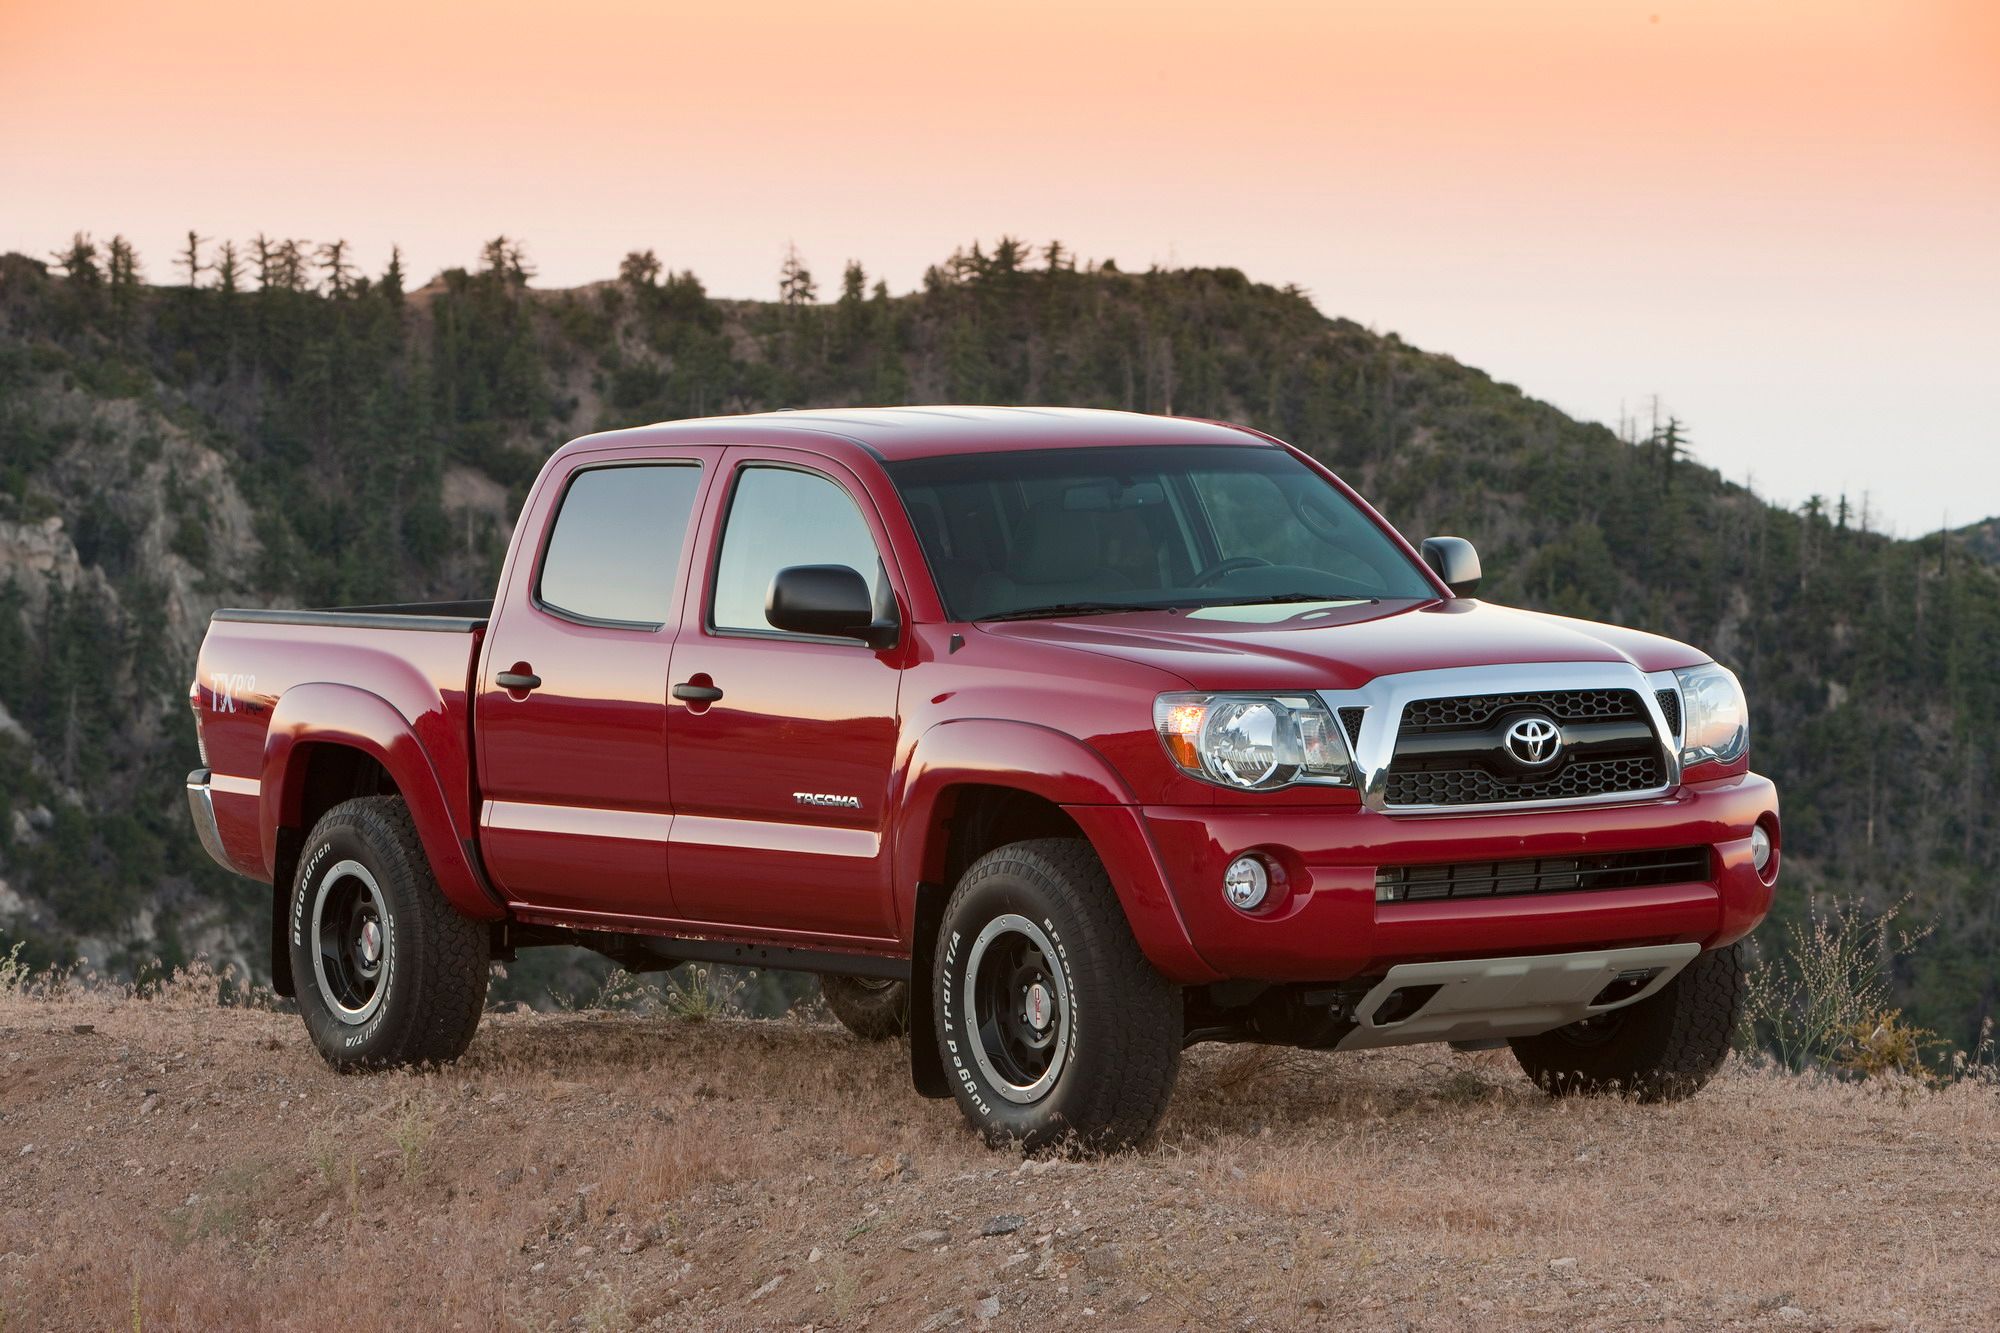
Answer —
(615, 554)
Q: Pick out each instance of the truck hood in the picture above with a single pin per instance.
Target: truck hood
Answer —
(1342, 646)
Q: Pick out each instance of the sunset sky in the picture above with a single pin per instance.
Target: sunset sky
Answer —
(1782, 218)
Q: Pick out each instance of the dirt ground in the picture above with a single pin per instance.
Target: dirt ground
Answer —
(176, 1166)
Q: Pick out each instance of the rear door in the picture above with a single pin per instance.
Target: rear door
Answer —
(781, 780)
(571, 715)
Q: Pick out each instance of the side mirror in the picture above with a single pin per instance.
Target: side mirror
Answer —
(831, 600)
(1455, 562)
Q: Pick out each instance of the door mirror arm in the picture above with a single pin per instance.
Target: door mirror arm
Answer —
(882, 634)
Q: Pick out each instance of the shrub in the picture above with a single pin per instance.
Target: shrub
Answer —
(1885, 1046)
(1829, 979)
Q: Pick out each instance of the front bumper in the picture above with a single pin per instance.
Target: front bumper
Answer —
(1329, 926)
(201, 809)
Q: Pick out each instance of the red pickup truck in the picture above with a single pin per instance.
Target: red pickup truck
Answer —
(1061, 739)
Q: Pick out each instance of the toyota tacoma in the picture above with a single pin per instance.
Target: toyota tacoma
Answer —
(1060, 740)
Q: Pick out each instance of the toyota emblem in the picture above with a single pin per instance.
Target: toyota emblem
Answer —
(1534, 742)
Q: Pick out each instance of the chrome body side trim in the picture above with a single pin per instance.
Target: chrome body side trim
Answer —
(1384, 698)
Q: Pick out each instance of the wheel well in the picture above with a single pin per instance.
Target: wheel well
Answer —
(330, 774)
(336, 773)
(971, 820)
(977, 818)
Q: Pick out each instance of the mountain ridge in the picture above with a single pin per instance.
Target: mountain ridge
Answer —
(324, 439)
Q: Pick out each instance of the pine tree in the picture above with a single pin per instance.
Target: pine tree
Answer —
(1672, 443)
(123, 280)
(1008, 256)
(391, 285)
(506, 261)
(267, 262)
(78, 261)
(339, 270)
(189, 260)
(228, 283)
(289, 266)
(640, 270)
(795, 281)
(228, 269)
(852, 307)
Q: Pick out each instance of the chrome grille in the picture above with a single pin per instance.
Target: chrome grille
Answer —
(1450, 750)
(1477, 710)
(1350, 722)
(1670, 708)
(1473, 786)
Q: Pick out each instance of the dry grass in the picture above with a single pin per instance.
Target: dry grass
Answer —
(171, 1165)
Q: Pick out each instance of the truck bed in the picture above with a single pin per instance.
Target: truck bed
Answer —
(264, 673)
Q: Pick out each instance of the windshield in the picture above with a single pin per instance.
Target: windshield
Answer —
(1074, 531)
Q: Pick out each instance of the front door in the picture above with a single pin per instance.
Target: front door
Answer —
(570, 723)
(782, 751)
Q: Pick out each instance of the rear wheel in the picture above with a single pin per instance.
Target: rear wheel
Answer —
(1664, 1048)
(1051, 1025)
(872, 1008)
(388, 973)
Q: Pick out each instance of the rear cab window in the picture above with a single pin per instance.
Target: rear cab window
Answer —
(614, 555)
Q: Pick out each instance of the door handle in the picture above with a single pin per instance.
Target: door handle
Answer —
(697, 694)
(517, 680)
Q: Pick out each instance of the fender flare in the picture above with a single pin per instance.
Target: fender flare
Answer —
(1059, 768)
(324, 713)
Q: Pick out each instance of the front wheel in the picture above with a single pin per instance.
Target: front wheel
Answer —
(1664, 1048)
(388, 973)
(1051, 1024)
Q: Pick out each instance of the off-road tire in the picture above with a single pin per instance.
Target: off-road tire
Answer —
(433, 963)
(872, 1010)
(1115, 1062)
(1664, 1048)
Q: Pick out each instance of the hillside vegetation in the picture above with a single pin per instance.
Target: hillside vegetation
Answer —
(171, 1165)
(278, 428)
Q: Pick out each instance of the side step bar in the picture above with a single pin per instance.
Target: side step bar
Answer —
(657, 953)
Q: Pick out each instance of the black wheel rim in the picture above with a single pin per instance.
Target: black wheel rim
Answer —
(352, 935)
(1019, 1010)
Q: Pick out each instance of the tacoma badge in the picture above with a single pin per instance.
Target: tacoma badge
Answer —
(826, 798)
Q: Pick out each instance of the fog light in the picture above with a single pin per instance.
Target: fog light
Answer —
(1760, 848)
(1246, 883)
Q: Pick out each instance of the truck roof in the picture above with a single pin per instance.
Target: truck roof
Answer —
(896, 433)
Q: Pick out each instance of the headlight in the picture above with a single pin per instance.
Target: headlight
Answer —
(1715, 720)
(1254, 742)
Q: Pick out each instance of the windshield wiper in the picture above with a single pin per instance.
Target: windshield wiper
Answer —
(1275, 598)
(1055, 609)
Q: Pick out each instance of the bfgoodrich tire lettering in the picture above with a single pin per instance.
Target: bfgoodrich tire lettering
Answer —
(388, 972)
(1664, 1048)
(1051, 1025)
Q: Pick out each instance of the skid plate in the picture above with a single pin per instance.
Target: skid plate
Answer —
(1479, 999)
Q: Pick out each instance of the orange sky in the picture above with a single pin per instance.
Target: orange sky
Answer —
(1783, 218)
